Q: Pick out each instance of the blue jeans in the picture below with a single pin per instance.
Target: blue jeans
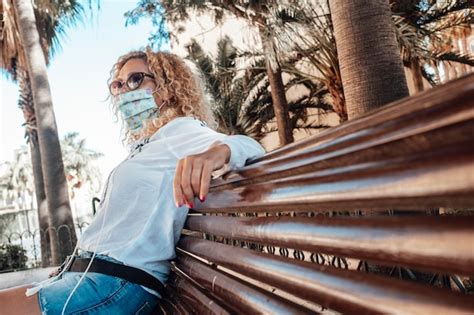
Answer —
(96, 294)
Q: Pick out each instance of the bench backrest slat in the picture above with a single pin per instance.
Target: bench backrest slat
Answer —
(426, 242)
(339, 289)
(238, 295)
(367, 192)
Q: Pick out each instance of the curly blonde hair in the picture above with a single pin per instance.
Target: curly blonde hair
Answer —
(185, 89)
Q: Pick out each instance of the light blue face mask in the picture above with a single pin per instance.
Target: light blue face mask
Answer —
(137, 106)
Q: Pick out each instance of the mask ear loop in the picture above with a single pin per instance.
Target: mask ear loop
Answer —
(163, 104)
(159, 107)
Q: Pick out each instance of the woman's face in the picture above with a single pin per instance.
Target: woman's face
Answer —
(138, 65)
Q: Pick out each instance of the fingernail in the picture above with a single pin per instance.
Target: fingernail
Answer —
(190, 205)
(179, 204)
(202, 198)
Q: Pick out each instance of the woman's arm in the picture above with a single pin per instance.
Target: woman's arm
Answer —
(193, 173)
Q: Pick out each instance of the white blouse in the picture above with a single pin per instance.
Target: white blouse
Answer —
(138, 222)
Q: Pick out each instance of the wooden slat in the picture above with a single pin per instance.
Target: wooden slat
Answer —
(338, 289)
(439, 180)
(432, 108)
(241, 297)
(434, 243)
(171, 304)
(194, 297)
(415, 154)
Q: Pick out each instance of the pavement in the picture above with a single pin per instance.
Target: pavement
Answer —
(16, 278)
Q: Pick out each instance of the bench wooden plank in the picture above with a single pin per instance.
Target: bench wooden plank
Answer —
(415, 154)
(433, 108)
(339, 289)
(241, 297)
(191, 296)
(427, 242)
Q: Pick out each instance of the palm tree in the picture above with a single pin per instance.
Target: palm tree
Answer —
(55, 183)
(25, 103)
(309, 32)
(243, 103)
(18, 180)
(369, 59)
(424, 32)
(79, 164)
(226, 88)
(52, 17)
(13, 62)
(306, 31)
(255, 12)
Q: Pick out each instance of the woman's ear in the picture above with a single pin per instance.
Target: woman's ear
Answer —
(165, 95)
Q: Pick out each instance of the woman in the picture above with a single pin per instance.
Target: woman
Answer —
(173, 154)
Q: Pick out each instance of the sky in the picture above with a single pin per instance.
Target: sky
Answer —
(78, 74)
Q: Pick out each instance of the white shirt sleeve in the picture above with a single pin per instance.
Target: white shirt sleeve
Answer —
(242, 148)
(198, 138)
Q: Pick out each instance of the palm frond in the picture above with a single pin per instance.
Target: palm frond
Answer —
(436, 13)
(453, 56)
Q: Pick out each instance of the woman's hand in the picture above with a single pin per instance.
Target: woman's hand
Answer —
(193, 173)
(54, 273)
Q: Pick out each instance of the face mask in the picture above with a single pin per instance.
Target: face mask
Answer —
(136, 107)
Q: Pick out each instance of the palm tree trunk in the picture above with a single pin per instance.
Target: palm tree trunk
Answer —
(435, 67)
(51, 157)
(416, 75)
(339, 103)
(371, 67)
(277, 89)
(370, 64)
(280, 105)
(42, 205)
(26, 103)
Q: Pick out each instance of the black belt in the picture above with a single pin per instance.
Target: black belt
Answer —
(128, 273)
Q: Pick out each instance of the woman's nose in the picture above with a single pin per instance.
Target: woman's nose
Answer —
(123, 88)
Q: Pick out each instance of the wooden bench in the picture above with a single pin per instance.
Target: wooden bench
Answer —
(299, 229)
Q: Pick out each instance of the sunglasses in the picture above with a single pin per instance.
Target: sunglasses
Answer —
(133, 82)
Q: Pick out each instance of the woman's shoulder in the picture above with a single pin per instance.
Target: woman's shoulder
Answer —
(186, 120)
(180, 125)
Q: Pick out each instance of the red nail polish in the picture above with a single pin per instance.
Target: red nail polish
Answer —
(190, 205)
(202, 199)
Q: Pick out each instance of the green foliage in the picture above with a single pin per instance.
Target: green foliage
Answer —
(303, 45)
(52, 19)
(309, 35)
(424, 32)
(155, 11)
(228, 89)
(78, 165)
(12, 257)
(6, 219)
(243, 104)
(17, 181)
